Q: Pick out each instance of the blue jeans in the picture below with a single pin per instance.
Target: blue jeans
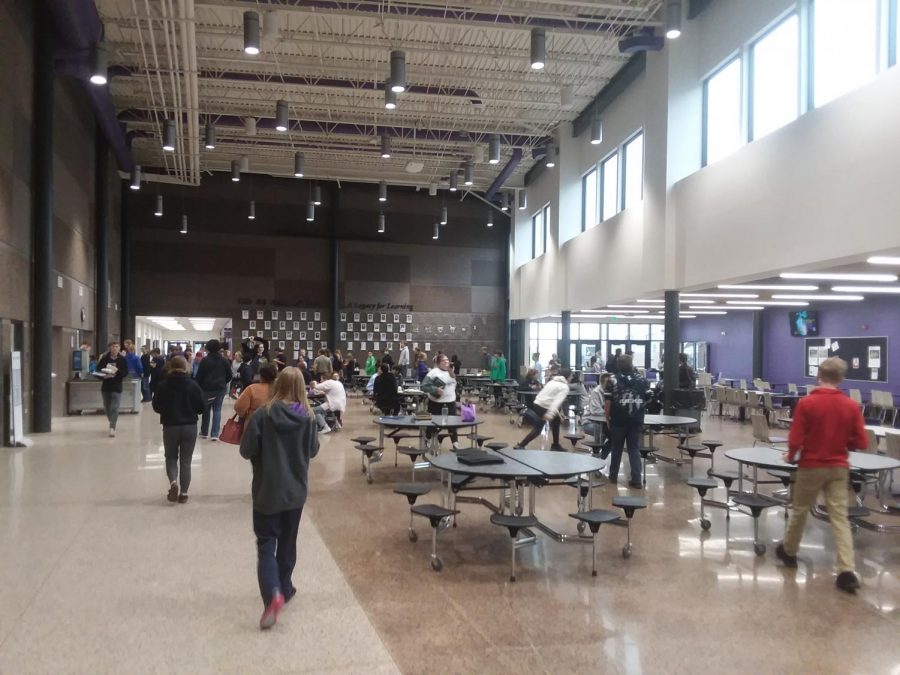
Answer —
(276, 549)
(621, 436)
(146, 395)
(214, 403)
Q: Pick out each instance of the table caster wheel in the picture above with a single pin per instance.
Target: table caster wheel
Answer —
(705, 524)
(444, 524)
(759, 549)
(626, 551)
(413, 537)
(436, 564)
(580, 528)
(369, 479)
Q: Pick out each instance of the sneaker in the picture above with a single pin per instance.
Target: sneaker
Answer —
(338, 426)
(556, 447)
(847, 582)
(112, 432)
(291, 592)
(214, 439)
(203, 436)
(325, 430)
(782, 555)
(270, 615)
(456, 445)
(637, 485)
(173, 492)
(182, 499)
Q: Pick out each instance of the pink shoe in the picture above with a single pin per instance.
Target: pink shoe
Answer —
(270, 615)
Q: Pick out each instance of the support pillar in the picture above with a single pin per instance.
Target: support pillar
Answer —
(126, 324)
(101, 229)
(565, 339)
(672, 346)
(757, 344)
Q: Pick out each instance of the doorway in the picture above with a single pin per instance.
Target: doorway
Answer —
(639, 349)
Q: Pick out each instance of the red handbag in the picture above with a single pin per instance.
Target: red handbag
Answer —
(232, 431)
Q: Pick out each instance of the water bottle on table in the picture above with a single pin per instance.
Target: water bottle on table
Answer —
(444, 415)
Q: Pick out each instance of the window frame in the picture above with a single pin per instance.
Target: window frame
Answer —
(623, 161)
(602, 190)
(545, 210)
(734, 56)
(541, 214)
(595, 170)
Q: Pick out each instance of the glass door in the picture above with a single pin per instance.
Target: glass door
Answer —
(640, 350)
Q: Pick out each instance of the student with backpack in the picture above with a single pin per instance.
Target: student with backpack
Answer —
(626, 420)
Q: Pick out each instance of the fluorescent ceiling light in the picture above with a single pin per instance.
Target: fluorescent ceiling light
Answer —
(202, 323)
(628, 307)
(884, 260)
(824, 296)
(866, 289)
(719, 295)
(704, 306)
(768, 303)
(660, 302)
(709, 313)
(839, 276)
(167, 322)
(769, 287)
(745, 307)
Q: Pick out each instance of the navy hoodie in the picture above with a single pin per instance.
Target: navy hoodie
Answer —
(178, 400)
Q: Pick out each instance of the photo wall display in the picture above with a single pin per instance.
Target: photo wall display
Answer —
(290, 329)
(866, 357)
(361, 331)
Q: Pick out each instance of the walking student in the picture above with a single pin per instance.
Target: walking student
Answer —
(114, 368)
(213, 376)
(547, 407)
(257, 394)
(178, 400)
(279, 440)
(826, 426)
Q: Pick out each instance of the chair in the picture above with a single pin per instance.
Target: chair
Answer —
(594, 519)
(856, 395)
(743, 384)
(757, 503)
(761, 432)
(438, 517)
(792, 389)
(513, 524)
(412, 491)
(629, 505)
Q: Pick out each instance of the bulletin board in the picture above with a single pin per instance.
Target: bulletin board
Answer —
(866, 357)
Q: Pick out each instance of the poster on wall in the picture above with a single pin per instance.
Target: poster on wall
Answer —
(282, 325)
(268, 325)
(260, 314)
(309, 346)
(813, 371)
(356, 336)
(289, 315)
(245, 313)
(874, 373)
(303, 316)
(274, 313)
(317, 316)
(370, 317)
(318, 335)
(252, 324)
(281, 344)
(289, 334)
(375, 347)
(362, 346)
(874, 357)
(349, 346)
(356, 316)
(309, 325)
(274, 334)
(427, 346)
(343, 336)
(296, 346)
(324, 325)
(296, 325)
(245, 334)
(343, 316)
(409, 318)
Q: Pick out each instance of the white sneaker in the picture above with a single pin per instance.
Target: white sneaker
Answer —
(214, 439)
(203, 436)
(112, 432)
(456, 445)
(326, 430)
(338, 425)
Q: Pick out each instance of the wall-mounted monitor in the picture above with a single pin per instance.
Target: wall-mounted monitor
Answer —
(804, 323)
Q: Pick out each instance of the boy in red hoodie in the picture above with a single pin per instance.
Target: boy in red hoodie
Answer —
(826, 426)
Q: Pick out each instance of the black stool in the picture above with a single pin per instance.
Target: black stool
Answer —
(412, 491)
(479, 439)
(496, 445)
(701, 485)
(593, 447)
(413, 454)
(370, 455)
(646, 456)
(629, 505)
(585, 483)
(712, 445)
(787, 479)
(573, 438)
(757, 504)
(363, 440)
(438, 517)
(513, 524)
(594, 519)
(692, 449)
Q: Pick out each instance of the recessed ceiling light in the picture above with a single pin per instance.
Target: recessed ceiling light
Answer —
(884, 260)
(866, 289)
(824, 296)
(768, 303)
(719, 295)
(709, 313)
(769, 287)
(825, 276)
(202, 323)
(745, 307)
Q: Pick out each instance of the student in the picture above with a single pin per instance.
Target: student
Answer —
(826, 425)
(146, 369)
(547, 408)
(403, 360)
(440, 387)
(537, 367)
(279, 440)
(598, 405)
(371, 364)
(421, 367)
(385, 390)
(335, 401)
(498, 375)
(113, 367)
(686, 375)
(256, 395)
(612, 363)
(626, 420)
(213, 376)
(178, 400)
(456, 364)
(157, 369)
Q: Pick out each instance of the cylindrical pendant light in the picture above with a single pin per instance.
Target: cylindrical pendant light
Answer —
(99, 63)
(298, 164)
(385, 146)
(235, 170)
(183, 229)
(673, 19)
(251, 33)
(310, 212)
(281, 115)
(382, 191)
(381, 223)
(490, 218)
(210, 142)
(390, 97)
(538, 51)
(398, 71)
(550, 156)
(432, 190)
(437, 231)
(443, 220)
(494, 150)
(596, 131)
(168, 139)
(136, 178)
(250, 126)
(522, 196)
(504, 201)
(158, 211)
(469, 176)
(252, 214)
(454, 178)
(317, 195)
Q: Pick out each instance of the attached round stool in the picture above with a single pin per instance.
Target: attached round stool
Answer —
(479, 439)
(363, 440)
(438, 517)
(412, 491)
(691, 449)
(646, 456)
(573, 438)
(496, 445)
(370, 454)
(757, 504)
(513, 524)
(413, 454)
(629, 505)
(712, 445)
(701, 485)
(594, 519)
(593, 446)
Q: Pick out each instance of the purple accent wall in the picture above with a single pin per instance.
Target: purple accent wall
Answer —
(784, 356)
(730, 354)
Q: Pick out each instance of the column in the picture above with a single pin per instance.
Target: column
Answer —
(126, 324)
(101, 228)
(672, 346)
(565, 339)
(757, 344)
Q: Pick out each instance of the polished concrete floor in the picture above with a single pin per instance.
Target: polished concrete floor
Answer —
(99, 573)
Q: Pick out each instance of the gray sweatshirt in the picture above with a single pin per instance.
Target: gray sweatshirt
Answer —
(279, 443)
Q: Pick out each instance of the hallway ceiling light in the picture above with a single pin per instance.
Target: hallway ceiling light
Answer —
(168, 136)
(719, 295)
(298, 164)
(826, 276)
(538, 48)
(494, 150)
(183, 229)
(454, 178)
(673, 20)
(202, 323)
(490, 218)
(398, 71)
(437, 231)
(310, 212)
(382, 191)
(824, 296)
(210, 140)
(390, 97)
(251, 33)
(866, 289)
(235, 171)
(522, 197)
(251, 215)
(443, 220)
(385, 147)
(317, 195)
(596, 131)
(381, 223)
(99, 63)
(769, 303)
(136, 178)
(884, 260)
(158, 211)
(469, 172)
(281, 115)
(768, 287)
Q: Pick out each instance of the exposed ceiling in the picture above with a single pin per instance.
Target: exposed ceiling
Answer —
(467, 67)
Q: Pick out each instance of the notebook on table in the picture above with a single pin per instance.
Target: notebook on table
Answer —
(477, 458)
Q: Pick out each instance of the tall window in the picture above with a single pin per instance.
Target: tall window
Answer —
(589, 200)
(539, 232)
(609, 181)
(722, 112)
(845, 46)
(633, 190)
(776, 77)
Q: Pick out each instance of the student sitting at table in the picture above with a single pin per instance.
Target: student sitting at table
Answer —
(547, 407)
(385, 390)
(530, 382)
(598, 405)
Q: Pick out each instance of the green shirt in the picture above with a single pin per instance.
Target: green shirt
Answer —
(498, 369)
(370, 365)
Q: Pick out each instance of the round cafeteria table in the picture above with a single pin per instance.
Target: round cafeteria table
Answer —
(410, 422)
